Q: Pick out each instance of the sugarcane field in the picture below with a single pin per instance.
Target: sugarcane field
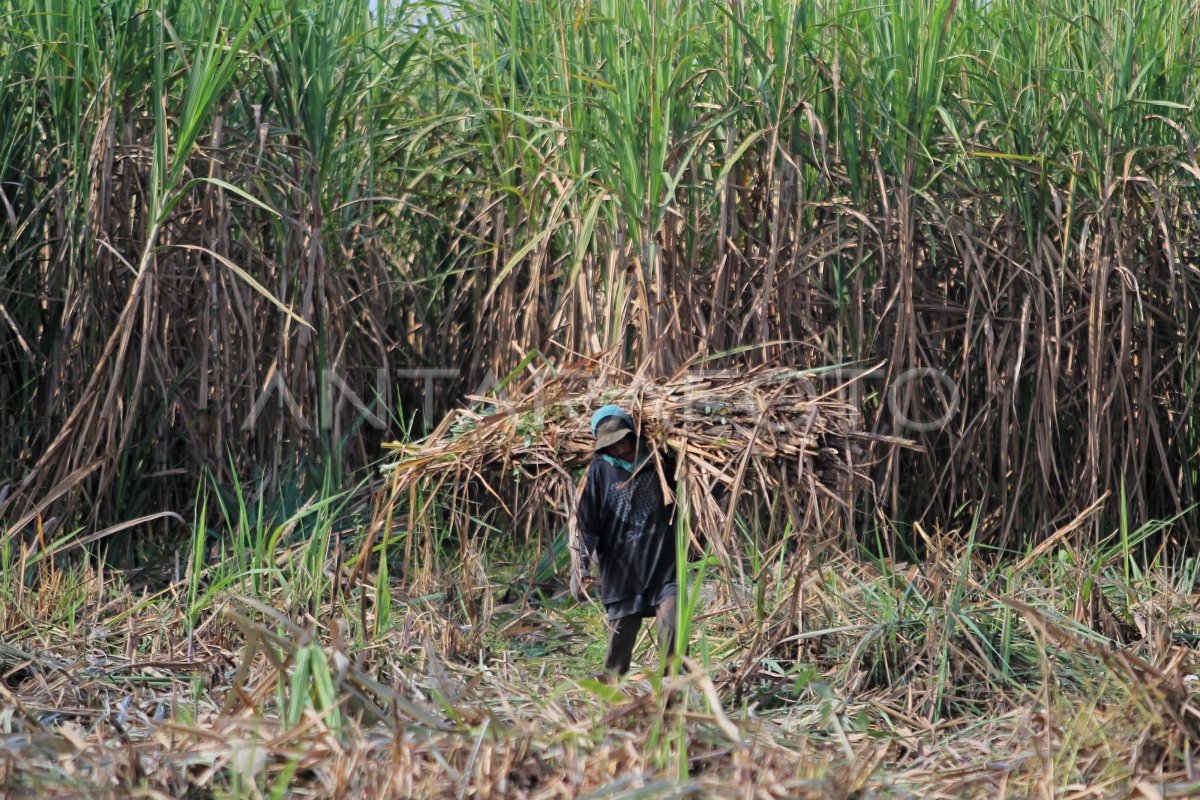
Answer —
(599, 399)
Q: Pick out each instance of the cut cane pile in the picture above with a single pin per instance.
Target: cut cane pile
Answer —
(733, 434)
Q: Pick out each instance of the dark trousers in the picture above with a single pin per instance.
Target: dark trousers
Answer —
(622, 635)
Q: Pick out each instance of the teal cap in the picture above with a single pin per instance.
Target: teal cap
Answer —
(605, 412)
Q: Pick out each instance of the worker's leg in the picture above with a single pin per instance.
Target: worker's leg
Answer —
(622, 635)
(666, 627)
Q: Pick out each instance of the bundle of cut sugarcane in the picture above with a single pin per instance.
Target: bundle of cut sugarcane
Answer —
(737, 439)
(714, 420)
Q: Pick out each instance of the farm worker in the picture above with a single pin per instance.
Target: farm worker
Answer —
(628, 527)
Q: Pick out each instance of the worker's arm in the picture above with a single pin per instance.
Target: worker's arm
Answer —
(588, 515)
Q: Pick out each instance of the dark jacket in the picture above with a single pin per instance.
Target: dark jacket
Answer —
(630, 530)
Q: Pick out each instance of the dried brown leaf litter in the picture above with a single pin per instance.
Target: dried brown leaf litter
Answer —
(256, 700)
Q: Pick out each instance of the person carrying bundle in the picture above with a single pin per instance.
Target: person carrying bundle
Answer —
(628, 527)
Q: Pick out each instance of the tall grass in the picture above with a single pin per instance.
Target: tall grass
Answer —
(201, 205)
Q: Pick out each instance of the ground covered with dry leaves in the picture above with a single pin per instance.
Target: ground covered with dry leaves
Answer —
(1058, 676)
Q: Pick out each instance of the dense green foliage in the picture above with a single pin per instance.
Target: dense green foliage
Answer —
(203, 201)
(208, 208)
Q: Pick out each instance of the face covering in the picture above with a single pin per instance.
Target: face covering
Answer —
(639, 458)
